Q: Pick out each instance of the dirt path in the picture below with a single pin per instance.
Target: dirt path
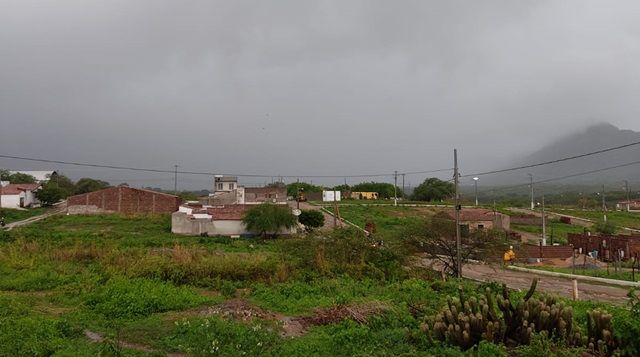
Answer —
(559, 286)
(98, 338)
(33, 219)
(328, 219)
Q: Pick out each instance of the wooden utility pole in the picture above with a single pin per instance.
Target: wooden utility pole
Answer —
(403, 191)
(456, 176)
(626, 186)
(175, 180)
(604, 205)
(544, 224)
(395, 188)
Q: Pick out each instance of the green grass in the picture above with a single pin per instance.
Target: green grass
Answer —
(129, 277)
(600, 273)
(558, 229)
(389, 220)
(619, 218)
(13, 215)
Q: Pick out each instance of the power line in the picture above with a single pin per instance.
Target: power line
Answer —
(117, 167)
(554, 161)
(565, 177)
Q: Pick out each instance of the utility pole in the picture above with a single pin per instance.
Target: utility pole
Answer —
(531, 184)
(403, 191)
(626, 186)
(544, 224)
(457, 213)
(298, 193)
(475, 181)
(395, 188)
(604, 205)
(175, 180)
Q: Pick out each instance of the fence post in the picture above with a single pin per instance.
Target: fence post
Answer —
(575, 289)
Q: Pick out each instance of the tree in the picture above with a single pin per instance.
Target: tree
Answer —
(341, 188)
(292, 188)
(311, 218)
(268, 218)
(433, 189)
(437, 238)
(605, 227)
(16, 177)
(66, 185)
(49, 194)
(384, 190)
(86, 184)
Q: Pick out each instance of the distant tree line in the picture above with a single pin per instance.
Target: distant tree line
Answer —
(432, 189)
(58, 187)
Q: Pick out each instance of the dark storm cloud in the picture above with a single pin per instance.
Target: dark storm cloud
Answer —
(302, 87)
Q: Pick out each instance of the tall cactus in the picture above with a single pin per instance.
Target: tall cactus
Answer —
(467, 321)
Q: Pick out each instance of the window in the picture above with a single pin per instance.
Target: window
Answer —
(480, 226)
(231, 186)
(220, 187)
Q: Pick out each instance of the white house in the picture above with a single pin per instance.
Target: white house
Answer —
(330, 196)
(18, 195)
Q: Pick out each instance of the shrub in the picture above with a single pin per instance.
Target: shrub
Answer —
(311, 218)
(268, 218)
(29, 336)
(122, 298)
(227, 338)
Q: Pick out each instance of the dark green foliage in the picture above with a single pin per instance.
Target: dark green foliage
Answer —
(16, 177)
(86, 184)
(433, 189)
(294, 188)
(62, 182)
(269, 218)
(384, 190)
(49, 194)
(311, 218)
(605, 227)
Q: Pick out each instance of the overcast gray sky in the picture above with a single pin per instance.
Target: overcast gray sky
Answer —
(308, 87)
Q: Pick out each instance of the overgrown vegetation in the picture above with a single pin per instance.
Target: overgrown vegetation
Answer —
(129, 278)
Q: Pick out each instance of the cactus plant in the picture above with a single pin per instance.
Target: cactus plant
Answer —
(465, 321)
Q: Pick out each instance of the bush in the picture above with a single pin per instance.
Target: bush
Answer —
(311, 218)
(30, 336)
(213, 335)
(268, 218)
(121, 298)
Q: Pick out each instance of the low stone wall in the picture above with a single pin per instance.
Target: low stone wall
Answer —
(86, 209)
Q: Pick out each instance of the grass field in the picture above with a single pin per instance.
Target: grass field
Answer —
(600, 273)
(127, 278)
(619, 218)
(558, 229)
(13, 215)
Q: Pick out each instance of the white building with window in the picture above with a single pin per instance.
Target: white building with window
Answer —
(225, 183)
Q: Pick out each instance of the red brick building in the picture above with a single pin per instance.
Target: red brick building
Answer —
(125, 200)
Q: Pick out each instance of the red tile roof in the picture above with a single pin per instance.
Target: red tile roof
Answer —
(16, 188)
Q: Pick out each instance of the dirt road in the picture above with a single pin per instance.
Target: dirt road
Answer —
(30, 220)
(553, 285)
(328, 219)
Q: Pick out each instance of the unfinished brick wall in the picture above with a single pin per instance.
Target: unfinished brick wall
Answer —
(544, 252)
(125, 200)
(607, 245)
